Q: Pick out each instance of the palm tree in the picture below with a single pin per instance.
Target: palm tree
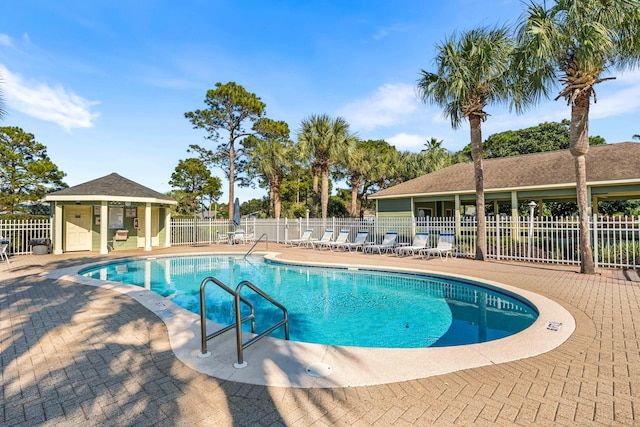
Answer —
(473, 71)
(323, 139)
(435, 156)
(357, 165)
(575, 42)
(271, 157)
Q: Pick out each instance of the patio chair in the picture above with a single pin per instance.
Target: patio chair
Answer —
(343, 237)
(4, 245)
(222, 237)
(358, 243)
(239, 237)
(444, 247)
(306, 236)
(388, 243)
(250, 237)
(326, 237)
(420, 241)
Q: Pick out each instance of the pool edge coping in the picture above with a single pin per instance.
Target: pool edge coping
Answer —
(279, 363)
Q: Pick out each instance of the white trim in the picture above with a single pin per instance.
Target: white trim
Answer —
(545, 187)
(102, 197)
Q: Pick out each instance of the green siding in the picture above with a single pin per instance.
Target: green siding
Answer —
(396, 206)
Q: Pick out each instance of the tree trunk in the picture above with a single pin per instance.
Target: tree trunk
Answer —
(579, 146)
(355, 185)
(476, 154)
(314, 191)
(324, 200)
(232, 171)
(363, 200)
(275, 193)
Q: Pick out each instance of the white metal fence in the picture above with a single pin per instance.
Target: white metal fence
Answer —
(615, 240)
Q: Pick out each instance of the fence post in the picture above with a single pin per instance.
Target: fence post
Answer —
(595, 239)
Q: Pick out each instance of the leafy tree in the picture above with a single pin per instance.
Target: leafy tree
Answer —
(194, 182)
(336, 208)
(636, 137)
(546, 136)
(574, 42)
(473, 70)
(271, 157)
(229, 108)
(26, 171)
(324, 140)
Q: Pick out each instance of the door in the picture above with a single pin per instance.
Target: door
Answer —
(78, 228)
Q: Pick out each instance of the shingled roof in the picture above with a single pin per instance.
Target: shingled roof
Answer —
(604, 163)
(112, 187)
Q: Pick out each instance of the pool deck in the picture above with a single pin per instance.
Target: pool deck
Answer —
(73, 354)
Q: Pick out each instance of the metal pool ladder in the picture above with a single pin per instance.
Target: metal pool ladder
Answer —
(239, 320)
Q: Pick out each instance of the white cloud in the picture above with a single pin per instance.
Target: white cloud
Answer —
(622, 100)
(53, 104)
(407, 142)
(383, 32)
(389, 105)
(5, 40)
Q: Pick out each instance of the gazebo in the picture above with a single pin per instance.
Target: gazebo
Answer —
(110, 213)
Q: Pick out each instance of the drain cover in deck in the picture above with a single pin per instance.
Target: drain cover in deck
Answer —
(319, 370)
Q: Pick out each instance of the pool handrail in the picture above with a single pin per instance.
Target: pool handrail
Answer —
(240, 345)
(256, 242)
(203, 315)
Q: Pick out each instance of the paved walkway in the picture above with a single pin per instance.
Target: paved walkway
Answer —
(78, 355)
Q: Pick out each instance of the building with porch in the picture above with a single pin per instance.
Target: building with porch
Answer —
(110, 213)
(613, 173)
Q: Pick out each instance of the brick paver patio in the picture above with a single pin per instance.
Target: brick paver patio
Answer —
(78, 355)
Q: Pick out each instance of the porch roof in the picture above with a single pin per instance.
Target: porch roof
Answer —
(610, 164)
(113, 188)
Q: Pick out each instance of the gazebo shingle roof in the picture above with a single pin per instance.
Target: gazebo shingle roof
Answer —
(611, 162)
(111, 186)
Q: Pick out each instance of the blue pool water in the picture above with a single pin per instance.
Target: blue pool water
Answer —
(335, 306)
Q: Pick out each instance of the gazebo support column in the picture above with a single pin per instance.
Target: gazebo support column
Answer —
(167, 227)
(104, 227)
(515, 224)
(57, 229)
(457, 214)
(147, 227)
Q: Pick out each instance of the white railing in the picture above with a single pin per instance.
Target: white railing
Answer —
(615, 240)
(19, 233)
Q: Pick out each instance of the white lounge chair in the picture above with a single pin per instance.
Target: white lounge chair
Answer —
(343, 237)
(326, 237)
(388, 243)
(306, 236)
(444, 247)
(420, 241)
(4, 245)
(358, 243)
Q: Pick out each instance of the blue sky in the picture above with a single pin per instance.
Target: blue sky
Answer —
(104, 85)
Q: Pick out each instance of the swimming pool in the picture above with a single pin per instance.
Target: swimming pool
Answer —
(337, 306)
